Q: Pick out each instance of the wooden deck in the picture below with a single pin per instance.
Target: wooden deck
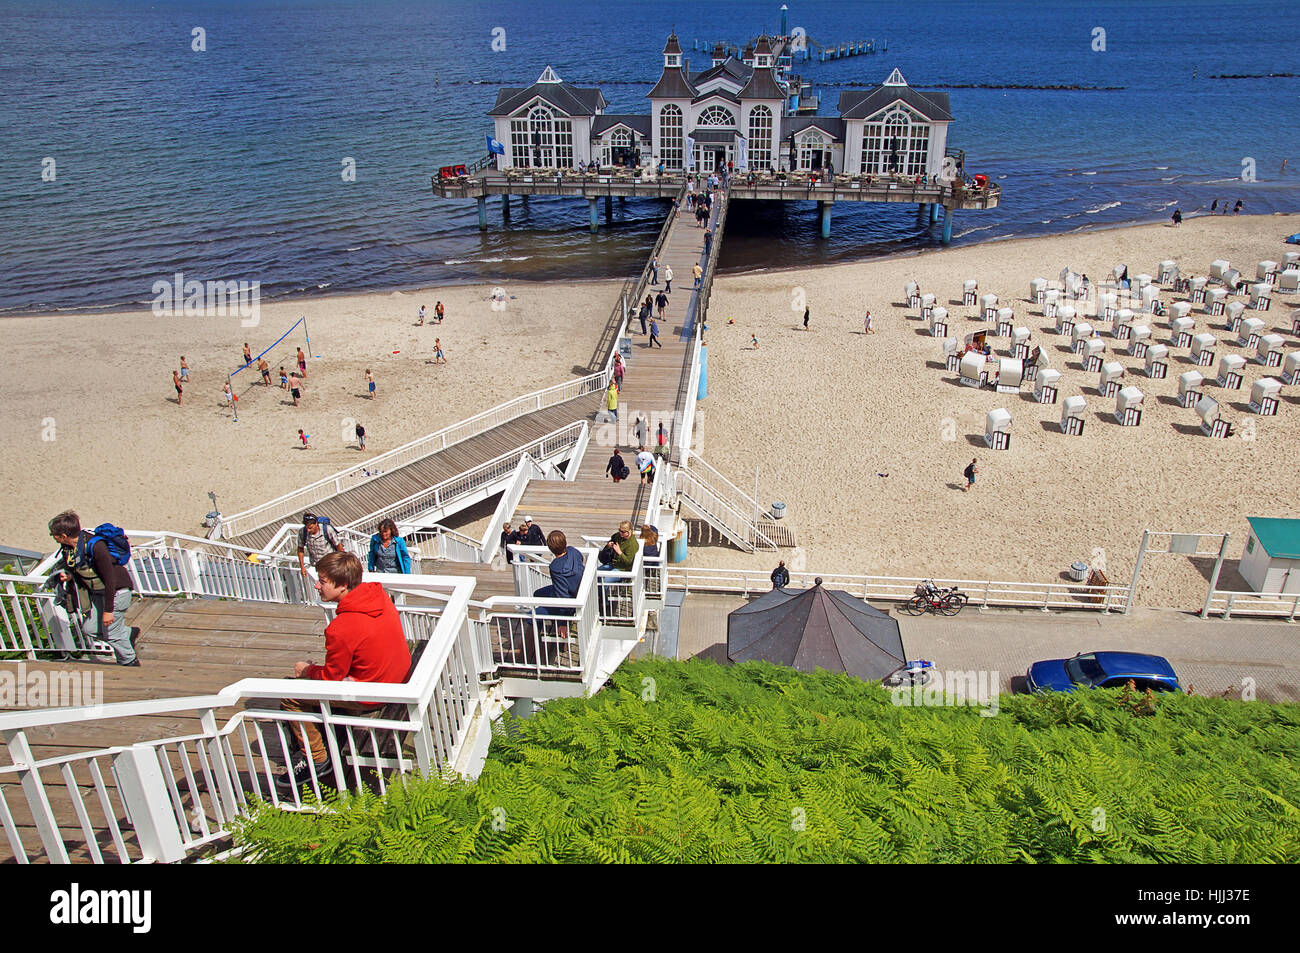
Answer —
(592, 504)
(186, 647)
(382, 491)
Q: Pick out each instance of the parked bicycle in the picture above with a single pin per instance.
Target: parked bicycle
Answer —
(931, 598)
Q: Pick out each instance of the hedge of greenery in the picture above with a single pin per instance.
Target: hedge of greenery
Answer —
(760, 763)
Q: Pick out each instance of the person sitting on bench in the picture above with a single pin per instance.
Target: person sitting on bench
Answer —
(364, 643)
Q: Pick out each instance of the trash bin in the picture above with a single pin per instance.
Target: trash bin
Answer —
(778, 511)
(1078, 571)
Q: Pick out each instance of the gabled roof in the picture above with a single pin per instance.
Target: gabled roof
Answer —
(638, 124)
(1279, 537)
(730, 69)
(673, 84)
(762, 85)
(565, 97)
(672, 46)
(830, 125)
(724, 94)
(863, 104)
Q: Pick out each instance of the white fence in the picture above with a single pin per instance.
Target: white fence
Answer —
(981, 592)
(308, 496)
(1227, 602)
(158, 800)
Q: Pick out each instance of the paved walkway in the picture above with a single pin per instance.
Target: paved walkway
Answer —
(1211, 655)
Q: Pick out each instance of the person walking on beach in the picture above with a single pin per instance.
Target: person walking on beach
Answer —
(370, 386)
(185, 370)
(654, 334)
(176, 382)
(668, 274)
(248, 355)
(438, 356)
(805, 319)
(295, 388)
(654, 270)
(753, 341)
(1214, 206)
(227, 395)
(439, 312)
(420, 322)
(361, 437)
(302, 363)
(698, 273)
(866, 327)
(1178, 216)
(611, 400)
(969, 474)
(780, 576)
(284, 379)
(305, 438)
(265, 368)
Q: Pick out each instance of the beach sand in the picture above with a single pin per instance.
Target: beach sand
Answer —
(93, 425)
(822, 413)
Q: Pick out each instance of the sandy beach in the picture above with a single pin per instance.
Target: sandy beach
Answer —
(94, 425)
(865, 437)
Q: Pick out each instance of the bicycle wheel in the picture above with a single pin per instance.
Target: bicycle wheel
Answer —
(916, 605)
(951, 604)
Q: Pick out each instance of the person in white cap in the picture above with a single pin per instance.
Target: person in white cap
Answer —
(532, 533)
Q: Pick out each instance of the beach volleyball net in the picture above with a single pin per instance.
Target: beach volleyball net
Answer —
(254, 375)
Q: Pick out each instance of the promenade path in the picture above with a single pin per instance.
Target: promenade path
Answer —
(1209, 654)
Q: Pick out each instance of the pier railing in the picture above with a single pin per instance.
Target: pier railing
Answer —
(1227, 602)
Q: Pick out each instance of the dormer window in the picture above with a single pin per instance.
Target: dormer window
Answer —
(762, 62)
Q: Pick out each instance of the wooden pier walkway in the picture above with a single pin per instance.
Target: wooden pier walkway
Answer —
(592, 504)
(360, 501)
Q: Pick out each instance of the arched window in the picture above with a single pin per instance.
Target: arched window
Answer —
(619, 139)
(670, 136)
(814, 150)
(897, 141)
(717, 116)
(540, 139)
(760, 138)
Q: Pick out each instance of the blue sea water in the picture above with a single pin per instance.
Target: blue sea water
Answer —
(226, 164)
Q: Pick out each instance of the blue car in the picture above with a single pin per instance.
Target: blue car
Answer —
(1103, 670)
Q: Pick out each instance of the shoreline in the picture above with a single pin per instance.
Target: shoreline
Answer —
(143, 307)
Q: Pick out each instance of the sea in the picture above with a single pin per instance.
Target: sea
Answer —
(141, 139)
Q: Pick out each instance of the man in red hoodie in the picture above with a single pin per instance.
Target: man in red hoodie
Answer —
(364, 643)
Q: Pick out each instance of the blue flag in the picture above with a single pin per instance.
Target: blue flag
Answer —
(494, 146)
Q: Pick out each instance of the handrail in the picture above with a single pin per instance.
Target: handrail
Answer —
(697, 462)
(740, 526)
(418, 449)
(981, 592)
(1244, 602)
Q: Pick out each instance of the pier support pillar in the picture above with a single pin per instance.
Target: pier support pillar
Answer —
(947, 226)
(825, 209)
(609, 210)
(482, 212)
(593, 215)
(505, 209)
(934, 212)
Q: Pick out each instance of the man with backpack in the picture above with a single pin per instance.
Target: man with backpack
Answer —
(96, 563)
(316, 540)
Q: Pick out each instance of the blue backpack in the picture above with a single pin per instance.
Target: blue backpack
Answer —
(119, 547)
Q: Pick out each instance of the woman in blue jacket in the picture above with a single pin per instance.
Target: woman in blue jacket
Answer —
(388, 552)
